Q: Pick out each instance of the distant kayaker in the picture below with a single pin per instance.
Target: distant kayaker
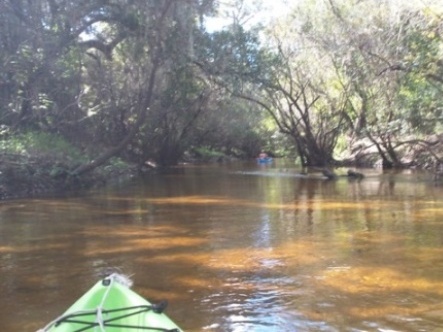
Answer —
(263, 155)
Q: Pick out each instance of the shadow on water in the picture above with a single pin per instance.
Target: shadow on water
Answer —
(234, 251)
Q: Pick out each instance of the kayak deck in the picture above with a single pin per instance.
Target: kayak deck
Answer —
(110, 306)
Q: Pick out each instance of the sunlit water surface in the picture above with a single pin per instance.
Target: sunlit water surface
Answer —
(237, 247)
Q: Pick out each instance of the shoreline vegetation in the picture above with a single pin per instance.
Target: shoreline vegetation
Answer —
(37, 176)
(98, 91)
(38, 165)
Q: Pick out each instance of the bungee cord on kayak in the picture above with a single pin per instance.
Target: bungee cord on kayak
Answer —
(109, 318)
(102, 323)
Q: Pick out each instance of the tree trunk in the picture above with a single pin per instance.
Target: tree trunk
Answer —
(143, 105)
(141, 116)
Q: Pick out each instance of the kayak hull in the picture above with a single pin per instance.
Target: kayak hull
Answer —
(112, 307)
(266, 160)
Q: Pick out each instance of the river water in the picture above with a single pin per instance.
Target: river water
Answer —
(237, 247)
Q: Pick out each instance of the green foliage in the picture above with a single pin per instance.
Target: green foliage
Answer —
(420, 93)
(342, 147)
(41, 144)
(334, 70)
(235, 55)
(207, 153)
(382, 59)
(117, 163)
(115, 167)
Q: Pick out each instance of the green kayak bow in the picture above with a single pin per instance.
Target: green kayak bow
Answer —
(111, 306)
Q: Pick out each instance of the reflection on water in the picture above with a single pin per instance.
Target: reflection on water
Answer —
(237, 248)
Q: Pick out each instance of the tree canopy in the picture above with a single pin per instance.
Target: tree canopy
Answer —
(335, 81)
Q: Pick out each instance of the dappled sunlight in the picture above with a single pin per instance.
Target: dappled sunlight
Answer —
(7, 249)
(235, 202)
(192, 200)
(190, 282)
(198, 258)
(236, 253)
(32, 248)
(425, 213)
(428, 256)
(127, 212)
(353, 312)
(370, 239)
(155, 294)
(391, 312)
(133, 231)
(301, 252)
(127, 240)
(160, 243)
(367, 280)
(241, 259)
(359, 294)
(377, 289)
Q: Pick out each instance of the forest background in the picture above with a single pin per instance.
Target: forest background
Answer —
(90, 89)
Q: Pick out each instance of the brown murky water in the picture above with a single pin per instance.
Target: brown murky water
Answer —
(236, 249)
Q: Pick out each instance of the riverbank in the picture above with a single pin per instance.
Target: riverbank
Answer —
(32, 176)
(24, 175)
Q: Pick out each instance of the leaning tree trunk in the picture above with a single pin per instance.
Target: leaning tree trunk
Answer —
(144, 104)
